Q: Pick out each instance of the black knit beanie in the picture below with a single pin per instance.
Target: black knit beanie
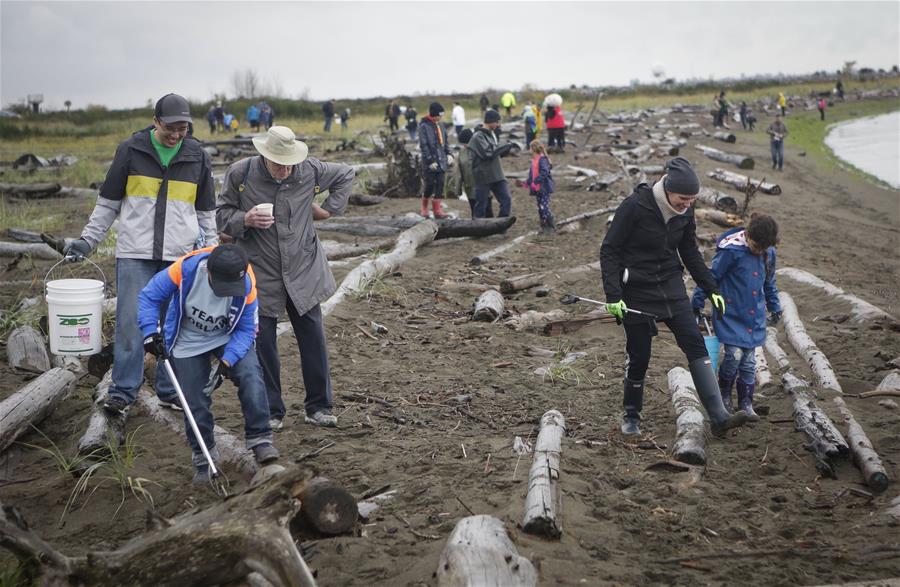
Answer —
(680, 177)
(435, 109)
(465, 136)
(491, 116)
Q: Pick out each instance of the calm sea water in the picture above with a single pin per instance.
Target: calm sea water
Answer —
(871, 144)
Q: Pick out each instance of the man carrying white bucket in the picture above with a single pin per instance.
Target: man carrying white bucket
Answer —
(160, 188)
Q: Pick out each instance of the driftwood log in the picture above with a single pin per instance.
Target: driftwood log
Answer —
(327, 508)
(32, 403)
(864, 455)
(25, 350)
(479, 553)
(690, 436)
(357, 229)
(221, 544)
(365, 200)
(740, 182)
(532, 320)
(861, 310)
(774, 349)
(718, 200)
(740, 161)
(404, 249)
(823, 374)
(560, 326)
(488, 306)
(103, 428)
(447, 227)
(33, 250)
(725, 137)
(335, 250)
(35, 191)
(515, 284)
(718, 217)
(763, 375)
(542, 503)
(825, 441)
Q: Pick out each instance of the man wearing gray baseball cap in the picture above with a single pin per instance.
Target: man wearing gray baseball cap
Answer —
(160, 188)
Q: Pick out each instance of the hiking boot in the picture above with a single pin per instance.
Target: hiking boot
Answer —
(276, 424)
(201, 476)
(725, 386)
(115, 405)
(720, 421)
(322, 418)
(633, 402)
(170, 403)
(265, 453)
(745, 400)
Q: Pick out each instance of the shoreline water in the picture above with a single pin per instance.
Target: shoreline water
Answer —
(871, 144)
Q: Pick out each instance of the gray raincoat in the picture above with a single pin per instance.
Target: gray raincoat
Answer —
(287, 258)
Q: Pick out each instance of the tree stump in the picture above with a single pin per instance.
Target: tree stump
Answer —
(479, 553)
(25, 350)
(542, 504)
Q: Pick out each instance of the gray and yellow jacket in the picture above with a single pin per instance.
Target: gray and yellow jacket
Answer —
(164, 212)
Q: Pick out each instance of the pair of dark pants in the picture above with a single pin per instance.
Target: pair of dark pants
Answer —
(193, 374)
(557, 137)
(459, 128)
(483, 192)
(777, 154)
(328, 121)
(639, 336)
(393, 123)
(310, 334)
(434, 184)
(529, 135)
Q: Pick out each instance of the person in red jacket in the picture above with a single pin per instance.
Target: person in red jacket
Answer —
(556, 128)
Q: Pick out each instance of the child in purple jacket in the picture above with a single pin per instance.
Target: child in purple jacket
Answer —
(540, 184)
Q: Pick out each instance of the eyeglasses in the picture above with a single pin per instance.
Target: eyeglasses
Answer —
(180, 130)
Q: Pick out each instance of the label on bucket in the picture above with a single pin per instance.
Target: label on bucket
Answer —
(73, 333)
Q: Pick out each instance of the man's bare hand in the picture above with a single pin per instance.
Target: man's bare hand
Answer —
(253, 218)
(320, 213)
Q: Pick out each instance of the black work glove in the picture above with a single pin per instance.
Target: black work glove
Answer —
(155, 345)
(76, 250)
(774, 318)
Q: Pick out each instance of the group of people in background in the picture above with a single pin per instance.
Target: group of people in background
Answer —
(258, 115)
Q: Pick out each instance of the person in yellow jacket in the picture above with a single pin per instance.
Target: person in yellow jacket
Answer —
(508, 101)
(782, 103)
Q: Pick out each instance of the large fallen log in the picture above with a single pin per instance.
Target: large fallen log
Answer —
(222, 544)
(774, 349)
(483, 257)
(690, 436)
(33, 250)
(231, 450)
(861, 309)
(103, 428)
(741, 161)
(718, 200)
(365, 200)
(405, 248)
(825, 441)
(478, 553)
(718, 217)
(488, 306)
(335, 250)
(542, 504)
(823, 374)
(31, 404)
(327, 507)
(515, 284)
(740, 182)
(864, 455)
(357, 229)
(25, 350)
(725, 137)
(447, 227)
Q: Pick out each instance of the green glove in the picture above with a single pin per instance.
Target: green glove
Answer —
(618, 309)
(718, 304)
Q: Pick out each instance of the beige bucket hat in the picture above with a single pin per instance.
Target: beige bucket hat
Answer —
(281, 146)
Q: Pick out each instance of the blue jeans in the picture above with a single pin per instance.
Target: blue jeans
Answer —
(733, 366)
(193, 374)
(777, 154)
(500, 189)
(128, 353)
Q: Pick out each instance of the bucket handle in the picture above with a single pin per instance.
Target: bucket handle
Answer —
(70, 258)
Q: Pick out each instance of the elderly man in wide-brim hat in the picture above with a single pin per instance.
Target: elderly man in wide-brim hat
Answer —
(266, 205)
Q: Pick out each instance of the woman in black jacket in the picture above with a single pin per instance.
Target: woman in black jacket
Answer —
(652, 233)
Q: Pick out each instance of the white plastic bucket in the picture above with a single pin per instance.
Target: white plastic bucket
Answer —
(75, 314)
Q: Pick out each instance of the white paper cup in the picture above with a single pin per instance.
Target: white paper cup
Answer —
(265, 209)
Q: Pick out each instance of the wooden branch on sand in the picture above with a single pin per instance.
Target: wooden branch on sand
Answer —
(33, 403)
(690, 437)
(33, 250)
(774, 349)
(405, 248)
(488, 306)
(864, 455)
(447, 227)
(740, 182)
(861, 310)
(825, 441)
(718, 200)
(479, 552)
(560, 326)
(741, 161)
(718, 217)
(103, 427)
(542, 504)
(222, 544)
(796, 333)
(335, 250)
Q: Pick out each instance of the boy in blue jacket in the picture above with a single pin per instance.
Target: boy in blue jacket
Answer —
(212, 312)
(744, 266)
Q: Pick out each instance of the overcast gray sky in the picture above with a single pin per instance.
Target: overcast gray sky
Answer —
(120, 54)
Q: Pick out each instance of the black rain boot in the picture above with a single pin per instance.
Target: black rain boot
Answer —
(633, 402)
(720, 421)
(725, 386)
(745, 400)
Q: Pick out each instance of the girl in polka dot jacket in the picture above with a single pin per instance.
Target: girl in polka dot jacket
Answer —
(744, 266)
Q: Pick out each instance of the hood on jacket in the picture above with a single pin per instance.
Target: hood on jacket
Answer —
(736, 238)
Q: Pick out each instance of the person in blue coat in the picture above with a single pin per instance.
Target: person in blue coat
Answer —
(744, 267)
(253, 117)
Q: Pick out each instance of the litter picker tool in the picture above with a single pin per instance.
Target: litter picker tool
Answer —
(573, 299)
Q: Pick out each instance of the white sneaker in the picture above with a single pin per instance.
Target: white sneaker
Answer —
(276, 424)
(322, 418)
